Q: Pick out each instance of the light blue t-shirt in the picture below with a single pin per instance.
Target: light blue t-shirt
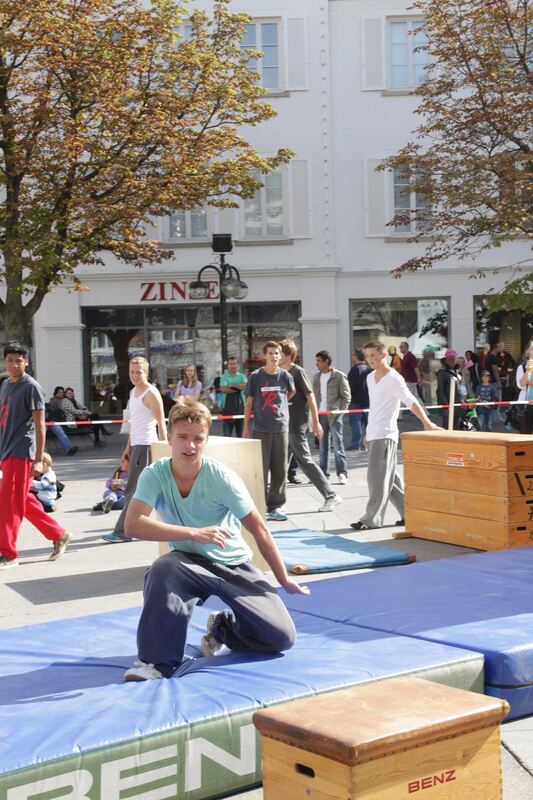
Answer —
(218, 497)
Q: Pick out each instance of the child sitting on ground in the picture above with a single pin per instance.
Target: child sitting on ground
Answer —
(44, 485)
(114, 490)
(487, 393)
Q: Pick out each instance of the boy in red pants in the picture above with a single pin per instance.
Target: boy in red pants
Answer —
(22, 435)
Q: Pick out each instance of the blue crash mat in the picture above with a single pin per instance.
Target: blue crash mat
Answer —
(304, 550)
(62, 689)
(483, 602)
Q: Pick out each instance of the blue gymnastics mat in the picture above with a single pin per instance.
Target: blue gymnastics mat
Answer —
(483, 602)
(304, 550)
(67, 718)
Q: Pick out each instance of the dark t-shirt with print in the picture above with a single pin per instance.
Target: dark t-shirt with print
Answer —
(299, 408)
(269, 392)
(17, 431)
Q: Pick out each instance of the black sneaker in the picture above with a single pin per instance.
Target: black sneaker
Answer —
(359, 526)
(72, 451)
(6, 562)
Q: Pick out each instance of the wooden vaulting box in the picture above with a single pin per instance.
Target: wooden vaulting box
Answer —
(391, 740)
(470, 489)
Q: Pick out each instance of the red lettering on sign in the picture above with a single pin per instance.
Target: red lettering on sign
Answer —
(146, 296)
(413, 786)
(177, 288)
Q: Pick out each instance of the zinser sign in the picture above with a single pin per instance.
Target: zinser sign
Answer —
(174, 291)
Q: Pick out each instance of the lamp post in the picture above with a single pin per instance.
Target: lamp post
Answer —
(230, 286)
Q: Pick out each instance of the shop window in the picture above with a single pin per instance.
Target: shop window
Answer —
(511, 328)
(264, 36)
(407, 55)
(423, 323)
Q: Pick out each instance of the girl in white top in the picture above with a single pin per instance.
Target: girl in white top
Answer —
(524, 381)
(147, 425)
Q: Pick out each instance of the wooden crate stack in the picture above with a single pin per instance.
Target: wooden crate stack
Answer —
(470, 489)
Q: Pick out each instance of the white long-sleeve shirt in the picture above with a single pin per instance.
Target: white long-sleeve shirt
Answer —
(385, 398)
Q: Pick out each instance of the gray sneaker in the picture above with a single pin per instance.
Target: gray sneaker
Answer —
(6, 562)
(60, 546)
(331, 502)
(107, 505)
(142, 672)
(209, 646)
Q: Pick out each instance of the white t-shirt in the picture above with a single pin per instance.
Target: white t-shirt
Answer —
(385, 398)
(324, 378)
(143, 427)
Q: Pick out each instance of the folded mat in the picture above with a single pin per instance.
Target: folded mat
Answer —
(304, 550)
(483, 602)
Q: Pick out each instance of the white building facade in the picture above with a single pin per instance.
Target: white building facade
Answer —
(313, 246)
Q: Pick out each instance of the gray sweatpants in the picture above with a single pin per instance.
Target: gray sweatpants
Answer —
(274, 449)
(384, 483)
(299, 445)
(140, 457)
(256, 619)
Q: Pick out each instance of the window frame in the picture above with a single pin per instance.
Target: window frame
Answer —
(414, 229)
(188, 238)
(285, 208)
(412, 23)
(282, 73)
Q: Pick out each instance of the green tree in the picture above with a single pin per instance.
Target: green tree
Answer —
(112, 114)
(471, 156)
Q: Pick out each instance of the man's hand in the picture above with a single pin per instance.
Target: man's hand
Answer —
(37, 468)
(212, 535)
(292, 587)
(318, 431)
(431, 426)
(126, 454)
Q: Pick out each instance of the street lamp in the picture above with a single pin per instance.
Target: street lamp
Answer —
(230, 286)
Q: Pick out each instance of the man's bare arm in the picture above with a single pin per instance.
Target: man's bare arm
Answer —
(154, 402)
(254, 523)
(140, 525)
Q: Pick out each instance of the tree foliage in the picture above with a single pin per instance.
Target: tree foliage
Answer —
(110, 116)
(471, 156)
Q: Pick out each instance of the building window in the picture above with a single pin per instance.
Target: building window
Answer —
(188, 225)
(513, 329)
(263, 213)
(264, 37)
(410, 207)
(407, 56)
(423, 323)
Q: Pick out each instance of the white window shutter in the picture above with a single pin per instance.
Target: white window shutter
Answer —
(372, 49)
(300, 199)
(375, 199)
(296, 54)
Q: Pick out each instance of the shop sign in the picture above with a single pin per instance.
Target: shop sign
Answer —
(173, 291)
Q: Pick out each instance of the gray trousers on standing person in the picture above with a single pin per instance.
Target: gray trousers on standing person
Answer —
(299, 445)
(274, 449)
(256, 619)
(140, 457)
(384, 483)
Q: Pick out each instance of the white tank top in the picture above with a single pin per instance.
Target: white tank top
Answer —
(143, 428)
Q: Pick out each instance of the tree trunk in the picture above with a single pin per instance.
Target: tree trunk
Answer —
(17, 325)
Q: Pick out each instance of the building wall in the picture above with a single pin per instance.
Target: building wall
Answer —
(337, 112)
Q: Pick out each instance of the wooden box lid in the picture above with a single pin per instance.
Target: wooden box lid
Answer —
(361, 723)
(469, 437)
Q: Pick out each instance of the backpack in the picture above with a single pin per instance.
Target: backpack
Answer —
(53, 414)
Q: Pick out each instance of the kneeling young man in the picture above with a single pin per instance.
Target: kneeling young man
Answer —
(200, 502)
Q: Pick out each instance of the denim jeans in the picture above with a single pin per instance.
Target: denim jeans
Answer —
(358, 423)
(333, 432)
(61, 436)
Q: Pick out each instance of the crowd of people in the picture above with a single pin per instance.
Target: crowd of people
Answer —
(200, 503)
